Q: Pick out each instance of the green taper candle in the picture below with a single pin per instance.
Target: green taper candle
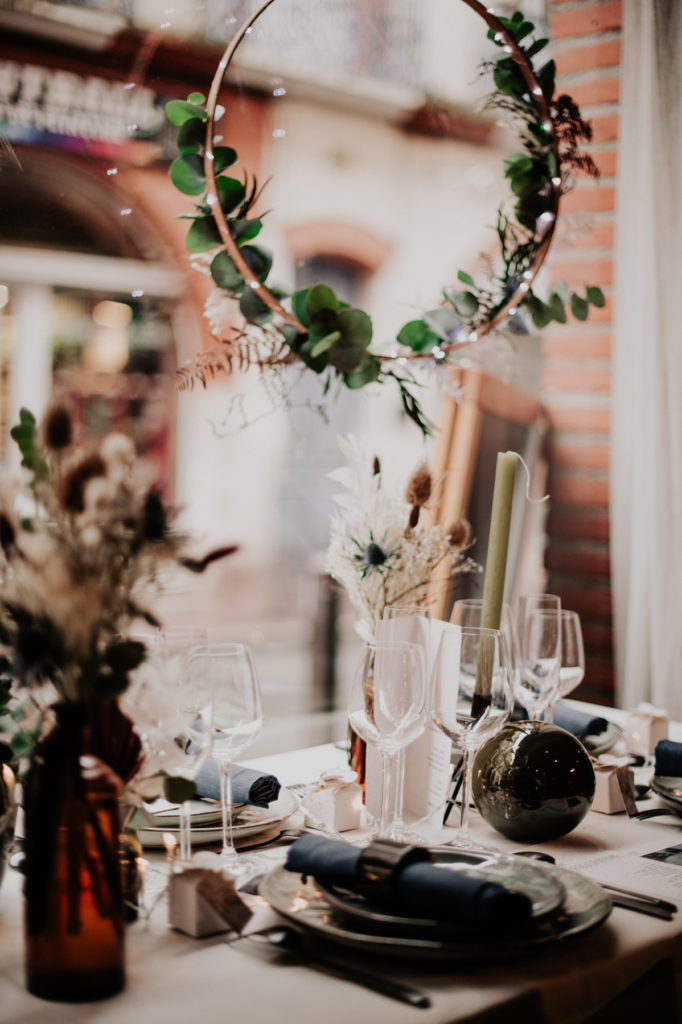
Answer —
(498, 540)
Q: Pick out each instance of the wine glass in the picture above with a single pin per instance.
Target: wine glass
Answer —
(572, 668)
(539, 632)
(418, 635)
(387, 707)
(229, 709)
(471, 699)
(468, 612)
(171, 650)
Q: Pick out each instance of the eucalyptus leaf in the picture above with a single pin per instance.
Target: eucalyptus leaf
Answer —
(202, 235)
(245, 230)
(223, 157)
(258, 259)
(253, 307)
(320, 296)
(325, 343)
(595, 296)
(187, 174)
(464, 277)
(443, 321)
(557, 308)
(298, 304)
(230, 193)
(579, 307)
(466, 303)
(368, 371)
(356, 326)
(196, 97)
(224, 272)
(191, 135)
(177, 790)
(179, 111)
(417, 336)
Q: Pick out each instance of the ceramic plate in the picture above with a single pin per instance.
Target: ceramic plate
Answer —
(544, 890)
(586, 906)
(249, 820)
(670, 788)
(603, 741)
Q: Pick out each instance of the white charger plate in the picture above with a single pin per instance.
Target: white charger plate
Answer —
(207, 824)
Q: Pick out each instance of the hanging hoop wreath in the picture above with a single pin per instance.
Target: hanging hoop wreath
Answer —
(323, 332)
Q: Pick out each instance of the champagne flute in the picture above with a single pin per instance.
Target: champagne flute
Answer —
(471, 699)
(387, 707)
(171, 650)
(229, 709)
(417, 635)
(539, 631)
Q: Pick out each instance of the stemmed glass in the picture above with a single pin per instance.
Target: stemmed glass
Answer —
(539, 630)
(391, 615)
(387, 707)
(468, 612)
(229, 709)
(171, 651)
(471, 699)
(572, 668)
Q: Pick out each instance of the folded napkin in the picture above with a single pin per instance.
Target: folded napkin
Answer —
(580, 723)
(668, 759)
(248, 785)
(420, 888)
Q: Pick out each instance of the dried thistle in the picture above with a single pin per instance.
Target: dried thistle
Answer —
(419, 487)
(57, 427)
(73, 486)
(460, 534)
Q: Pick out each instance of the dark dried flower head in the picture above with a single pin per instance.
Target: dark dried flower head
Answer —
(7, 534)
(419, 487)
(154, 523)
(57, 427)
(414, 516)
(73, 486)
(376, 467)
(460, 533)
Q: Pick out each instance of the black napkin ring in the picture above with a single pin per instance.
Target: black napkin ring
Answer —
(383, 859)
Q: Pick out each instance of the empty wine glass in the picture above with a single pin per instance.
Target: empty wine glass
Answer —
(417, 634)
(468, 612)
(471, 699)
(539, 632)
(229, 709)
(387, 707)
(171, 650)
(572, 669)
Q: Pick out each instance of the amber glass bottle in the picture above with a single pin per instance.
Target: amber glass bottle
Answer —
(74, 910)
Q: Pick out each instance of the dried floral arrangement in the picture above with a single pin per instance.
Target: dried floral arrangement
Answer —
(382, 550)
(321, 331)
(78, 543)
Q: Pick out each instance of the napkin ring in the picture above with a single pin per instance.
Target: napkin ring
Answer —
(383, 859)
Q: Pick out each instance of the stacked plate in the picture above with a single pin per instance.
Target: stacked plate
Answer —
(161, 817)
(564, 904)
(669, 788)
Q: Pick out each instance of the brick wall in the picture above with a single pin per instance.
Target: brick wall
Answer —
(586, 40)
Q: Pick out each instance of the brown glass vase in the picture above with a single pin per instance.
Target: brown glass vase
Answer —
(74, 910)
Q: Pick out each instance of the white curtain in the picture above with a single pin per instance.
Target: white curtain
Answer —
(646, 473)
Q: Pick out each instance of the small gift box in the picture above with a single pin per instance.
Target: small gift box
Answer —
(336, 800)
(614, 789)
(204, 902)
(644, 728)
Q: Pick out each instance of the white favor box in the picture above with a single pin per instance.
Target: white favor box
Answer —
(188, 911)
(608, 795)
(336, 801)
(644, 727)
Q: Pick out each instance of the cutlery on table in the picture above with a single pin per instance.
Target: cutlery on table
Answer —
(286, 938)
(641, 902)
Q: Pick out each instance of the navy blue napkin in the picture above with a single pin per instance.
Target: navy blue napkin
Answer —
(668, 759)
(580, 723)
(422, 888)
(248, 785)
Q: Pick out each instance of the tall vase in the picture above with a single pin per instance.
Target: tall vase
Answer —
(74, 911)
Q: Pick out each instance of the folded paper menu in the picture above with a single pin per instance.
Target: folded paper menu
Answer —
(423, 888)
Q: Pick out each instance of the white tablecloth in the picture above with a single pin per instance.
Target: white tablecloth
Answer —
(176, 979)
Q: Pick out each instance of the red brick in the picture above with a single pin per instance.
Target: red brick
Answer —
(590, 456)
(588, 600)
(581, 525)
(589, 199)
(583, 563)
(599, 90)
(584, 345)
(585, 58)
(597, 637)
(599, 676)
(582, 380)
(571, 489)
(597, 271)
(599, 236)
(605, 127)
(584, 20)
(592, 419)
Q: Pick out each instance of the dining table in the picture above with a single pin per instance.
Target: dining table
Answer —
(627, 968)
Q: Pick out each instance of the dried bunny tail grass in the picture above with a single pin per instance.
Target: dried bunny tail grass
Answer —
(460, 534)
(376, 466)
(72, 490)
(419, 487)
(57, 427)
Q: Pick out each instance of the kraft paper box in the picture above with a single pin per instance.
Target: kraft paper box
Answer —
(336, 801)
(644, 727)
(204, 902)
(608, 793)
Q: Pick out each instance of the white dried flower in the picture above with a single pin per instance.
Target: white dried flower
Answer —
(118, 454)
